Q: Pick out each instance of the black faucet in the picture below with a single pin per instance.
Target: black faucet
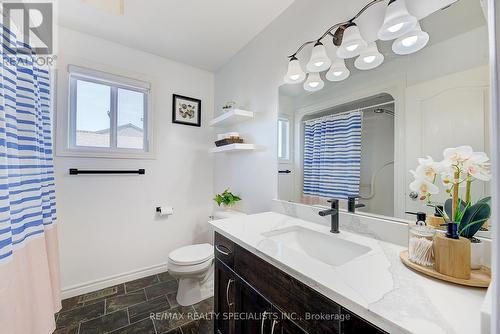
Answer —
(351, 204)
(334, 213)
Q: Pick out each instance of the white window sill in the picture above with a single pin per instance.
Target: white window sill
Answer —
(101, 154)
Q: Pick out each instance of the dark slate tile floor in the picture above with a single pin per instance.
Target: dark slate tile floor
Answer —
(143, 306)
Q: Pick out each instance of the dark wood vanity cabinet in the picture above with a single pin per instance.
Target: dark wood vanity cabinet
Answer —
(254, 297)
(252, 309)
(223, 295)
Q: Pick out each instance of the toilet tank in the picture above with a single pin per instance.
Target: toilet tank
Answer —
(222, 214)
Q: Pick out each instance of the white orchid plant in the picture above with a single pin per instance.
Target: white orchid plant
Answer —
(460, 167)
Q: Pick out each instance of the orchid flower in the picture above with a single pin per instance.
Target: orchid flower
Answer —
(458, 154)
(428, 168)
(424, 188)
(477, 166)
(457, 170)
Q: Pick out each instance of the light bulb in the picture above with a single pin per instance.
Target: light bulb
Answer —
(313, 82)
(396, 27)
(411, 42)
(352, 42)
(319, 61)
(338, 71)
(352, 47)
(397, 21)
(295, 74)
(369, 58)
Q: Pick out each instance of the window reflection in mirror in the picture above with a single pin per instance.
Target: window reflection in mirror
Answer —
(410, 107)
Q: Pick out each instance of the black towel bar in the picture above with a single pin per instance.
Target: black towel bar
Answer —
(76, 171)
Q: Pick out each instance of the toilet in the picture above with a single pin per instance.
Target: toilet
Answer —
(193, 266)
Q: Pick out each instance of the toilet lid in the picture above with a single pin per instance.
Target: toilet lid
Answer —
(193, 254)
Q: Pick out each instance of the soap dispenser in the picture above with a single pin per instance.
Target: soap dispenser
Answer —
(436, 220)
(420, 241)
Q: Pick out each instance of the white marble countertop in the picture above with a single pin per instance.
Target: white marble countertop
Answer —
(375, 286)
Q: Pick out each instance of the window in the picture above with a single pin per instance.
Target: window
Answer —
(283, 139)
(108, 114)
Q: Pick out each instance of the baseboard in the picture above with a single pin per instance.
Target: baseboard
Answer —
(76, 290)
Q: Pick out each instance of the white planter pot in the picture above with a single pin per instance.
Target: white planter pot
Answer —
(476, 256)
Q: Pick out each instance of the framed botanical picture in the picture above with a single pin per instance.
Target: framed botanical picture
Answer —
(186, 110)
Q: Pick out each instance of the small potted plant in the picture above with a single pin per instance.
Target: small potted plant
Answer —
(228, 106)
(460, 167)
(227, 199)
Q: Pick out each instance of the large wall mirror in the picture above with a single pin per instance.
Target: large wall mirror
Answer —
(361, 136)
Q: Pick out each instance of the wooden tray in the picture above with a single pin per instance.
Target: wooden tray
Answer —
(480, 278)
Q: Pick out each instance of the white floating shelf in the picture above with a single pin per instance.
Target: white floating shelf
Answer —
(233, 148)
(232, 117)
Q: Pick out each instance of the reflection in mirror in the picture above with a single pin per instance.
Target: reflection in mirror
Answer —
(360, 136)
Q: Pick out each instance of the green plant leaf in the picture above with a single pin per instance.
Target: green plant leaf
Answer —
(448, 205)
(486, 200)
(218, 199)
(473, 218)
(227, 198)
(471, 229)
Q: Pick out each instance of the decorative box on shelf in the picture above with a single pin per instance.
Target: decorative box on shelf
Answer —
(228, 141)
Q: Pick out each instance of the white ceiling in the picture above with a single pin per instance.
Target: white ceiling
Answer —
(202, 33)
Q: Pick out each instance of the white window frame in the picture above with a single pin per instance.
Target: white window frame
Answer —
(115, 82)
(283, 118)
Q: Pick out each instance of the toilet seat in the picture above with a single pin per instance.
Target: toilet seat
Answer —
(191, 255)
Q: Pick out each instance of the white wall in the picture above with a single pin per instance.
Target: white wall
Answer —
(107, 224)
(252, 79)
(377, 149)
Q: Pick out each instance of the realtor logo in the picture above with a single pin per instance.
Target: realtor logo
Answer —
(32, 23)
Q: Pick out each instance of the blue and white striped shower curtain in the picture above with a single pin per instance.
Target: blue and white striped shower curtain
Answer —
(29, 271)
(27, 196)
(332, 156)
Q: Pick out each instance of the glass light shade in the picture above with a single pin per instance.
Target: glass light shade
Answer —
(369, 58)
(411, 42)
(397, 21)
(295, 74)
(338, 71)
(313, 82)
(319, 61)
(352, 43)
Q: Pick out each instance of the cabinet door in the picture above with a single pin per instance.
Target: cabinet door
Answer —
(224, 301)
(352, 324)
(286, 326)
(253, 311)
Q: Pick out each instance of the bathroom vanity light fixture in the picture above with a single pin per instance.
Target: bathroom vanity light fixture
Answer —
(411, 42)
(369, 58)
(338, 71)
(295, 74)
(397, 21)
(313, 82)
(319, 61)
(352, 42)
(398, 24)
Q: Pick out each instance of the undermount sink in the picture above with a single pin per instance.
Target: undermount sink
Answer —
(329, 249)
